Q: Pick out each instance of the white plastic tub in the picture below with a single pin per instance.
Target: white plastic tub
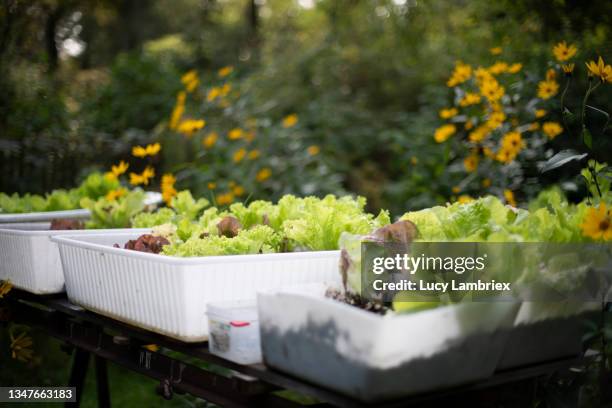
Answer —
(372, 357)
(169, 294)
(234, 331)
(46, 216)
(30, 260)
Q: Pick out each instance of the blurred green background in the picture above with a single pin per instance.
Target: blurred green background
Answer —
(82, 81)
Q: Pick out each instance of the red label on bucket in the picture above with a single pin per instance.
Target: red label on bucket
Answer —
(239, 323)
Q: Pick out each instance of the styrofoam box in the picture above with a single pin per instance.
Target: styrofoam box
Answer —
(169, 294)
(30, 260)
(234, 331)
(372, 357)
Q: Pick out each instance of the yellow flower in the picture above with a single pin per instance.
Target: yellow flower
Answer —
(498, 68)
(190, 80)
(464, 199)
(471, 163)
(225, 71)
(448, 113)
(568, 68)
(177, 112)
(137, 179)
(253, 154)
(5, 288)
(479, 134)
(313, 150)
(469, 124)
(495, 120)
(486, 183)
(225, 89)
(514, 68)
(547, 89)
(189, 126)
(539, 113)
(210, 140)
(149, 150)
(490, 89)
(513, 141)
(552, 129)
(225, 198)
(119, 169)
(601, 70)
(21, 347)
(211, 185)
(534, 126)
(482, 75)
(139, 151)
(444, 132)
(263, 174)
(290, 120)
(597, 223)
(456, 189)
(461, 73)
(495, 50)
(550, 74)
(235, 134)
(151, 347)
(563, 52)
(167, 188)
(115, 194)
(238, 191)
(506, 155)
(239, 155)
(213, 93)
(470, 98)
(509, 196)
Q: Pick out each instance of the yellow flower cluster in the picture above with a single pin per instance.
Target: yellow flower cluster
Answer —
(461, 73)
(143, 178)
(144, 151)
(218, 92)
(167, 188)
(225, 71)
(263, 174)
(511, 144)
(190, 80)
(210, 139)
(444, 132)
(552, 129)
(189, 126)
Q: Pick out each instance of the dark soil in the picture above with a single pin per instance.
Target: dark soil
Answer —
(356, 300)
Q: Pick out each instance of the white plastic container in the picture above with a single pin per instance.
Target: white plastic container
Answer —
(168, 294)
(234, 331)
(371, 357)
(30, 260)
(46, 216)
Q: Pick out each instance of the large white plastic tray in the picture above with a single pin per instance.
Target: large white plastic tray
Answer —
(45, 216)
(168, 294)
(30, 260)
(151, 198)
(372, 357)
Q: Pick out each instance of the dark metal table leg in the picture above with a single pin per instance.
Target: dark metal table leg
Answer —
(77, 375)
(102, 383)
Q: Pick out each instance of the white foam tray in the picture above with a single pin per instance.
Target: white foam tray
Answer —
(372, 357)
(168, 294)
(30, 260)
(45, 216)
